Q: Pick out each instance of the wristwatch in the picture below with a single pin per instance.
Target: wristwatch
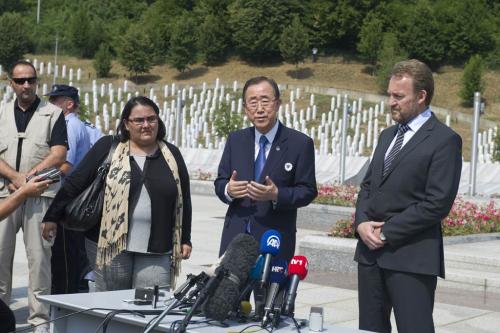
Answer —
(382, 237)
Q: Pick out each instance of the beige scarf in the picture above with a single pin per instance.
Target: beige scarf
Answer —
(114, 222)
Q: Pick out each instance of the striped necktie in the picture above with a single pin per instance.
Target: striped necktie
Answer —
(396, 148)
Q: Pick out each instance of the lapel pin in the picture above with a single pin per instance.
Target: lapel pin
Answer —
(288, 166)
(278, 148)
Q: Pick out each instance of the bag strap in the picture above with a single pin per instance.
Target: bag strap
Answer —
(114, 144)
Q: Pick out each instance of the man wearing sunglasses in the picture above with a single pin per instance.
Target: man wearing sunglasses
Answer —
(32, 137)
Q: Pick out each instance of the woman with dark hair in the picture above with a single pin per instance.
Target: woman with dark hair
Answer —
(145, 230)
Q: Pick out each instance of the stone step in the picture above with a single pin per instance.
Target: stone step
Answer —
(472, 262)
(471, 280)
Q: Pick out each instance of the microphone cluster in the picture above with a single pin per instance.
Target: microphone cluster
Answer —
(245, 267)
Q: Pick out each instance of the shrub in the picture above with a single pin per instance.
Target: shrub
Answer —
(472, 79)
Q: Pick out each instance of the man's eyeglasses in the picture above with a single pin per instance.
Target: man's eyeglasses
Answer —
(253, 104)
(22, 80)
(141, 120)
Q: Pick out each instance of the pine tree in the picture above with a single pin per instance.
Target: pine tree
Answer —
(472, 79)
(294, 43)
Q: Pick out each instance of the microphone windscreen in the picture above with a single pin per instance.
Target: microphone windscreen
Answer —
(245, 308)
(256, 271)
(278, 272)
(298, 266)
(240, 257)
(270, 242)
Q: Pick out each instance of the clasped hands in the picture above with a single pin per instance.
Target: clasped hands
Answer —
(251, 189)
(369, 231)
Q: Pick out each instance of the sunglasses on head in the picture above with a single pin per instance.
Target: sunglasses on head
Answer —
(22, 80)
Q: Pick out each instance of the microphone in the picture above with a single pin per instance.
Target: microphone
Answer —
(297, 270)
(254, 277)
(240, 257)
(277, 279)
(269, 247)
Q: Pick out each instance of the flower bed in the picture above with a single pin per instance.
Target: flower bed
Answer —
(465, 218)
(337, 195)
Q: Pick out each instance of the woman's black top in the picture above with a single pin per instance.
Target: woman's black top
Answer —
(156, 177)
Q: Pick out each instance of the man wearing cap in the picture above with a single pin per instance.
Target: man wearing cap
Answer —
(66, 97)
(32, 137)
(68, 253)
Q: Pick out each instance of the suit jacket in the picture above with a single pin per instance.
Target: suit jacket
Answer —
(412, 199)
(290, 165)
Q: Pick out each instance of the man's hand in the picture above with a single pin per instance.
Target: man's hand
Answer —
(236, 188)
(260, 192)
(49, 230)
(186, 251)
(369, 232)
(16, 181)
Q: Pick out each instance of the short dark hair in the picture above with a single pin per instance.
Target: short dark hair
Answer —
(259, 79)
(421, 75)
(121, 131)
(20, 63)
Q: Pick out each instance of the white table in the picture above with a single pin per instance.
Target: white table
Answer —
(87, 322)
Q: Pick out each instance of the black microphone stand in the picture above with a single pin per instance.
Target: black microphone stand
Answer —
(208, 290)
(179, 297)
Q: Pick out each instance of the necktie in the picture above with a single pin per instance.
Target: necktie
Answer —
(396, 148)
(261, 157)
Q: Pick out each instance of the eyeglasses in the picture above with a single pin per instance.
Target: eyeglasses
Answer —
(253, 104)
(22, 80)
(139, 121)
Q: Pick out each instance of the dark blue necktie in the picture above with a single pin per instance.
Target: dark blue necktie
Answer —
(261, 157)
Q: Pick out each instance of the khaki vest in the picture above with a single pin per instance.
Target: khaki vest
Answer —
(35, 146)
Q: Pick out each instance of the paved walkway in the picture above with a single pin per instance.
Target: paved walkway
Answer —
(340, 304)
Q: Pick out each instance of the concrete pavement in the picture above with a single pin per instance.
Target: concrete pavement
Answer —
(338, 298)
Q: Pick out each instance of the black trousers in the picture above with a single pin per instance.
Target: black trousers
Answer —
(69, 261)
(410, 295)
(7, 319)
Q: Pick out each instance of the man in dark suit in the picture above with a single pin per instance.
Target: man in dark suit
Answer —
(266, 171)
(408, 189)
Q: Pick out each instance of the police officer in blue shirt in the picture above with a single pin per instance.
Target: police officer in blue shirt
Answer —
(69, 259)
(93, 132)
(66, 97)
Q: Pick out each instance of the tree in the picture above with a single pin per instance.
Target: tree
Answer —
(226, 121)
(370, 38)
(422, 37)
(157, 21)
(467, 27)
(294, 43)
(213, 40)
(182, 50)
(102, 61)
(390, 53)
(135, 52)
(84, 34)
(257, 26)
(472, 79)
(14, 38)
